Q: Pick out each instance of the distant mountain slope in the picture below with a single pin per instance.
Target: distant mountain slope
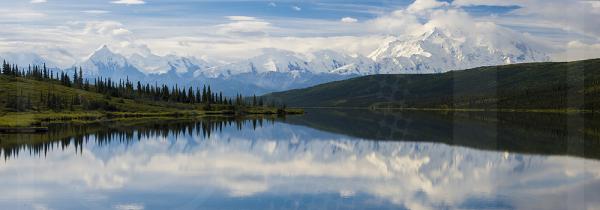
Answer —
(25, 59)
(441, 50)
(518, 86)
(105, 63)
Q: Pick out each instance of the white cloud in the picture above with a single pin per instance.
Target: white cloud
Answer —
(128, 2)
(132, 206)
(18, 14)
(244, 25)
(396, 23)
(121, 32)
(272, 4)
(349, 20)
(241, 18)
(485, 2)
(578, 50)
(297, 8)
(570, 16)
(38, 1)
(105, 28)
(96, 12)
(420, 5)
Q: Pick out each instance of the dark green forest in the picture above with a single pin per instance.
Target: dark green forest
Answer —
(533, 86)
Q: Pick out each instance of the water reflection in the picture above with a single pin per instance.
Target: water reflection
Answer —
(535, 133)
(62, 135)
(239, 164)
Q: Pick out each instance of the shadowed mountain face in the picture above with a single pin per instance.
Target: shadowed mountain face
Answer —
(536, 133)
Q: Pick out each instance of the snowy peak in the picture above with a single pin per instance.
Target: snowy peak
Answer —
(282, 61)
(438, 50)
(271, 60)
(104, 56)
(155, 64)
(105, 63)
(329, 61)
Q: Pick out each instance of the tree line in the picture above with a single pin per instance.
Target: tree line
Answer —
(111, 88)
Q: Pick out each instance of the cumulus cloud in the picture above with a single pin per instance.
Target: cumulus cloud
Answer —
(297, 8)
(349, 20)
(420, 5)
(396, 23)
(106, 28)
(128, 2)
(570, 16)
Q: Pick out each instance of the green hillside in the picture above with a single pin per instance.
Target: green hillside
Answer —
(34, 101)
(27, 95)
(558, 85)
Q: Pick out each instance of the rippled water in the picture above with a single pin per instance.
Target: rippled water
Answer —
(323, 160)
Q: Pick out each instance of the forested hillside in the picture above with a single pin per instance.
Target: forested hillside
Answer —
(38, 89)
(552, 85)
(34, 94)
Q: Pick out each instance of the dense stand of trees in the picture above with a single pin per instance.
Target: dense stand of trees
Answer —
(112, 88)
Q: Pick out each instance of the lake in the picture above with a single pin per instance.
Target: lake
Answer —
(325, 159)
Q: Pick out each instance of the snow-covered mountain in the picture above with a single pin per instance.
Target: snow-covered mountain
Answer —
(105, 63)
(155, 64)
(329, 61)
(271, 60)
(25, 59)
(282, 61)
(434, 51)
(440, 50)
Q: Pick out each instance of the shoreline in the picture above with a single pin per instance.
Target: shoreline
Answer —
(560, 111)
(16, 121)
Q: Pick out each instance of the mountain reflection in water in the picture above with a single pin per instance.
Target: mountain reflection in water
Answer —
(336, 159)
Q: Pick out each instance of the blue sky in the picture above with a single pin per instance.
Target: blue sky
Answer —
(68, 30)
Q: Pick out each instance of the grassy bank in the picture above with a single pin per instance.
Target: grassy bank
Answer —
(29, 119)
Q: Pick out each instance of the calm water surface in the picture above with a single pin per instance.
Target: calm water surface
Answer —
(326, 159)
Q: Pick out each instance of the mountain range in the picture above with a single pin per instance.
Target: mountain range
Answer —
(435, 51)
